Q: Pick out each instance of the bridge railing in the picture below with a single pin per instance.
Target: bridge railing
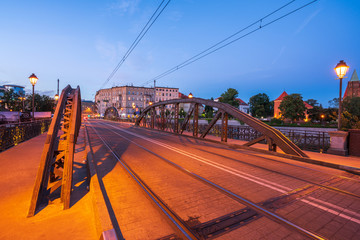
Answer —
(165, 115)
(15, 133)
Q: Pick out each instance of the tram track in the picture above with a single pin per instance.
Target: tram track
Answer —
(249, 204)
(334, 179)
(340, 211)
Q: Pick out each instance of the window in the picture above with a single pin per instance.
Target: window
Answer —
(166, 94)
(170, 94)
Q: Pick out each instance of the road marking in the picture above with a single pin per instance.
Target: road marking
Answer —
(259, 181)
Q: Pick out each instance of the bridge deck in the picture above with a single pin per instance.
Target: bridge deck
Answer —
(19, 167)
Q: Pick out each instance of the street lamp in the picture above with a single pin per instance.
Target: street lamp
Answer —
(341, 70)
(190, 95)
(33, 79)
(57, 93)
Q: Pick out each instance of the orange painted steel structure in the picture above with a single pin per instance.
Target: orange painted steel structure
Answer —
(273, 137)
(56, 164)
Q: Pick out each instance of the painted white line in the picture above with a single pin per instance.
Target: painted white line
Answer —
(249, 177)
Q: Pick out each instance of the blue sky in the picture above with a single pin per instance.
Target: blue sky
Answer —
(80, 42)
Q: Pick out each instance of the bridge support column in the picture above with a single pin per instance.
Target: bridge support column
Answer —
(224, 127)
(271, 144)
(196, 120)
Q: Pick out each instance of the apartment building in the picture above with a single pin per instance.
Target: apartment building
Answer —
(130, 99)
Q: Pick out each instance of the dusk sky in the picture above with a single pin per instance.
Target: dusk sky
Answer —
(81, 42)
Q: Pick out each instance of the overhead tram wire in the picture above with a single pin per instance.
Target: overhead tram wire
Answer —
(145, 29)
(207, 52)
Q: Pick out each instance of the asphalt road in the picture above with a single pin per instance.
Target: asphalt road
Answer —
(219, 192)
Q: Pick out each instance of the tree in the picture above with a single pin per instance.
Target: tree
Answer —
(42, 103)
(209, 111)
(229, 97)
(334, 103)
(315, 113)
(312, 102)
(352, 105)
(293, 107)
(260, 105)
(11, 101)
(350, 117)
(182, 113)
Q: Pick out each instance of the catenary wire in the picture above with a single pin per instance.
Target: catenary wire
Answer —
(145, 29)
(208, 52)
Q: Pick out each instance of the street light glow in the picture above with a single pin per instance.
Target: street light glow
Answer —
(341, 69)
(33, 79)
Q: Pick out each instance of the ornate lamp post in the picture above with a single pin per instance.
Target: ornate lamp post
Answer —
(341, 70)
(57, 93)
(33, 79)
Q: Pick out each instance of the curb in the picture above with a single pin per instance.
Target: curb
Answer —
(103, 221)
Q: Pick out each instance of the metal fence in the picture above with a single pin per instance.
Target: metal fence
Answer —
(13, 134)
(318, 141)
(306, 140)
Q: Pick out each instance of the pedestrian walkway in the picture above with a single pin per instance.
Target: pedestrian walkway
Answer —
(19, 166)
(350, 161)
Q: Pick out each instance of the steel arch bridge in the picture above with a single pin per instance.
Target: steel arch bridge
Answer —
(111, 112)
(169, 119)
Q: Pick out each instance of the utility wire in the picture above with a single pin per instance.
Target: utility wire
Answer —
(145, 29)
(207, 51)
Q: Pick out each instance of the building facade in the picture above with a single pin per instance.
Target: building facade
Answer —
(131, 99)
(19, 90)
(353, 87)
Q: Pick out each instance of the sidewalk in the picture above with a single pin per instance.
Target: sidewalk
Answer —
(327, 159)
(19, 166)
(350, 161)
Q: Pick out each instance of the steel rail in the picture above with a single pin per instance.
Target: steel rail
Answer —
(232, 195)
(334, 189)
(315, 170)
(175, 219)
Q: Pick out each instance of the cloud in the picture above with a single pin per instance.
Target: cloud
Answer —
(125, 6)
(306, 22)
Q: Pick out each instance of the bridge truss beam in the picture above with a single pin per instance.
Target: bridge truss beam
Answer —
(274, 138)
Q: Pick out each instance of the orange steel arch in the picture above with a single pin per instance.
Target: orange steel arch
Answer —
(111, 112)
(272, 136)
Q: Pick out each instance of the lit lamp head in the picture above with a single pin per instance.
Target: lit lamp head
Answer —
(322, 116)
(56, 97)
(341, 69)
(33, 79)
(150, 103)
(190, 95)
